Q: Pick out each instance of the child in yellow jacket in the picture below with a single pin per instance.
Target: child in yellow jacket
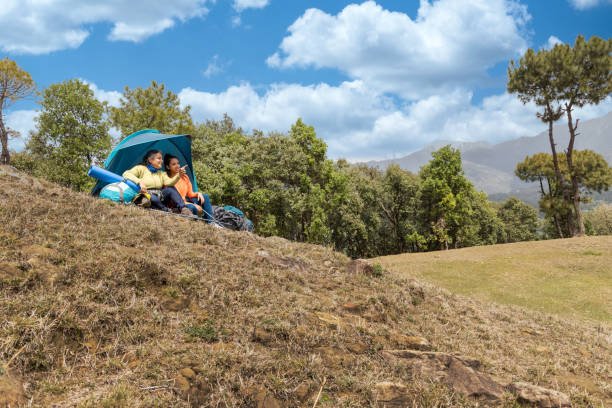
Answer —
(152, 178)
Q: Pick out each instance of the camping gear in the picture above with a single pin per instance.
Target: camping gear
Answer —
(110, 177)
(130, 151)
(118, 192)
(231, 218)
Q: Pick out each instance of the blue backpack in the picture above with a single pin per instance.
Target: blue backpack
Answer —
(118, 192)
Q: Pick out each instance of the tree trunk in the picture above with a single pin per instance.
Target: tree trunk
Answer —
(553, 149)
(5, 157)
(575, 196)
(559, 176)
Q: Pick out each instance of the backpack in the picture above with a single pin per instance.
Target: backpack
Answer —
(232, 218)
(118, 192)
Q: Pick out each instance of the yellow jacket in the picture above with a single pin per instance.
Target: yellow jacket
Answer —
(155, 180)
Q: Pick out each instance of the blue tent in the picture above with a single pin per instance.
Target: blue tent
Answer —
(130, 151)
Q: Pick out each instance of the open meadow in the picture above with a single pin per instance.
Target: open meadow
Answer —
(566, 277)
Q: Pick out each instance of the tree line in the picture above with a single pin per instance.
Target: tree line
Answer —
(290, 188)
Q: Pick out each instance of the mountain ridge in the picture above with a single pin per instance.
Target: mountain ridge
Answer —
(481, 159)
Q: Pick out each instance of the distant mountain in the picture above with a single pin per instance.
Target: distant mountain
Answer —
(491, 166)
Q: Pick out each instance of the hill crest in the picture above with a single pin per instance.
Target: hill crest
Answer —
(114, 306)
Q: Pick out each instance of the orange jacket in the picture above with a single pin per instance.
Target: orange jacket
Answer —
(184, 187)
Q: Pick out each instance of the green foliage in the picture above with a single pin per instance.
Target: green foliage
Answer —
(377, 270)
(71, 135)
(599, 220)
(559, 80)
(398, 203)
(151, 108)
(451, 212)
(520, 221)
(15, 84)
(206, 332)
(591, 173)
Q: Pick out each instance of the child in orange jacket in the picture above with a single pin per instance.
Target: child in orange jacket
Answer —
(198, 203)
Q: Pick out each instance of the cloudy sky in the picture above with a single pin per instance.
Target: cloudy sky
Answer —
(377, 79)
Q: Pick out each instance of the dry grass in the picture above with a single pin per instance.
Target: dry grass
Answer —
(568, 277)
(109, 306)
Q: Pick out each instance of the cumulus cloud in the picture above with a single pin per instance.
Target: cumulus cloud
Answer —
(39, 27)
(586, 4)
(22, 121)
(448, 44)
(552, 41)
(110, 97)
(241, 5)
(360, 124)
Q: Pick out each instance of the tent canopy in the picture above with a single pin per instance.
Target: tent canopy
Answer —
(131, 150)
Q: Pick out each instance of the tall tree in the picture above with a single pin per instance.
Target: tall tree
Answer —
(151, 108)
(398, 205)
(71, 134)
(533, 80)
(559, 80)
(520, 221)
(15, 84)
(590, 171)
(452, 212)
(583, 76)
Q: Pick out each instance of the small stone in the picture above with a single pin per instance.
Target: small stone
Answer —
(539, 396)
(302, 391)
(265, 399)
(389, 394)
(176, 305)
(262, 336)
(133, 364)
(188, 373)
(460, 374)
(327, 263)
(11, 392)
(410, 342)
(352, 307)
(357, 347)
(330, 319)
(334, 357)
(360, 266)
(181, 383)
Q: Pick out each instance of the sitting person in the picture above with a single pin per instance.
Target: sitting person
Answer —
(153, 180)
(198, 203)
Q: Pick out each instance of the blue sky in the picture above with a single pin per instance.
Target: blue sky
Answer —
(377, 79)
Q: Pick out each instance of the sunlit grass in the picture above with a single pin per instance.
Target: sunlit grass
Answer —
(569, 277)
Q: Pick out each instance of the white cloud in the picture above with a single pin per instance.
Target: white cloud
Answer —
(585, 4)
(448, 44)
(360, 124)
(110, 97)
(214, 67)
(43, 26)
(240, 5)
(23, 121)
(552, 41)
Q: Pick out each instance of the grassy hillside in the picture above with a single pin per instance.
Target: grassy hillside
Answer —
(568, 277)
(104, 306)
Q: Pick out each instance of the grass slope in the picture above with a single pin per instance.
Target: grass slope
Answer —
(568, 277)
(104, 306)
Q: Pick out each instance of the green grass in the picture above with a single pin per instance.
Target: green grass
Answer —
(570, 277)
